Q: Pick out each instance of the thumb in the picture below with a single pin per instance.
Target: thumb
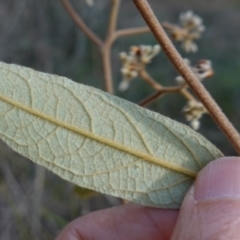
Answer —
(211, 208)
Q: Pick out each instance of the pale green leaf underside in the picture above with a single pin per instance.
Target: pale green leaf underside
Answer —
(99, 141)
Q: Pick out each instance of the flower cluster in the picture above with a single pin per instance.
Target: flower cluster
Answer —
(203, 69)
(189, 29)
(134, 61)
(193, 111)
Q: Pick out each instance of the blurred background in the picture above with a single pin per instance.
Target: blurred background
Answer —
(34, 203)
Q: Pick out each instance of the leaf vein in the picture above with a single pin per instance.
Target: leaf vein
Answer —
(108, 142)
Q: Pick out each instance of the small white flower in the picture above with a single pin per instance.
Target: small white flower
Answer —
(135, 61)
(195, 124)
(123, 86)
(128, 73)
(190, 29)
(123, 56)
(189, 46)
(193, 24)
(191, 21)
(193, 111)
(203, 69)
(145, 53)
(149, 52)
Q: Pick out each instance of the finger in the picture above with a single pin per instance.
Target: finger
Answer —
(211, 208)
(126, 222)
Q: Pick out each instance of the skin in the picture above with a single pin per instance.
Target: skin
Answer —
(210, 210)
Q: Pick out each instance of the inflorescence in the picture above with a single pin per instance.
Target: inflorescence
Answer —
(189, 29)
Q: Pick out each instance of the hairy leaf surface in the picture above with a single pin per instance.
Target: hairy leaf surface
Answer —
(99, 141)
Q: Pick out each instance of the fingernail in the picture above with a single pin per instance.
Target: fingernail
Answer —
(220, 178)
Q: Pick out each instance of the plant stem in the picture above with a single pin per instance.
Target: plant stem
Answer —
(132, 31)
(212, 107)
(159, 94)
(107, 46)
(187, 94)
(183, 89)
(107, 68)
(147, 78)
(113, 18)
(80, 23)
(169, 26)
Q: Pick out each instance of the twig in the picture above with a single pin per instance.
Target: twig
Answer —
(107, 68)
(131, 31)
(187, 94)
(113, 18)
(146, 77)
(80, 23)
(169, 26)
(188, 75)
(107, 47)
(162, 90)
(150, 99)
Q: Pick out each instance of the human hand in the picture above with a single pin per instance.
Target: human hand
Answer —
(210, 210)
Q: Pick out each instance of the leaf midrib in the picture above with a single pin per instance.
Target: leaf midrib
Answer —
(102, 140)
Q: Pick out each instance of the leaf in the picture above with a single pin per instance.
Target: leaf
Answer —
(99, 141)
